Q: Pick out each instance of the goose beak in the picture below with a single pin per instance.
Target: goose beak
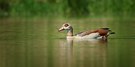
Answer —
(61, 29)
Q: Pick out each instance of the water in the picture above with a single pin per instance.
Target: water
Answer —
(37, 43)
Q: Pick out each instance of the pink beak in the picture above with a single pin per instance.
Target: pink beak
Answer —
(61, 29)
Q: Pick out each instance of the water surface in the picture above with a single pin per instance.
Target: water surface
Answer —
(37, 43)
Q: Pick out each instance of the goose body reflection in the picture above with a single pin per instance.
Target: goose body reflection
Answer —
(91, 42)
(84, 53)
(101, 33)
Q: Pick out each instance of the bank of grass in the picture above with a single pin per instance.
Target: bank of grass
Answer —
(67, 8)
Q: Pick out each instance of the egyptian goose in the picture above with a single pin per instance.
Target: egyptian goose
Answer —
(101, 33)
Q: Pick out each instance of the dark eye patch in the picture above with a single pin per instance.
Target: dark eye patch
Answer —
(66, 25)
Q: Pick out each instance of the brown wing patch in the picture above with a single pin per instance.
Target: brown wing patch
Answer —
(102, 32)
(87, 32)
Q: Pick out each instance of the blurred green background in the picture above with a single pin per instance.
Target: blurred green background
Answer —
(67, 8)
(29, 34)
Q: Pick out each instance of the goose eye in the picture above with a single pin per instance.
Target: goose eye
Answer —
(66, 25)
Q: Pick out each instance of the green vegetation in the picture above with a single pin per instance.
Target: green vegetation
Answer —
(67, 8)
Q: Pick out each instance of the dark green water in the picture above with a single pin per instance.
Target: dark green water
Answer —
(36, 43)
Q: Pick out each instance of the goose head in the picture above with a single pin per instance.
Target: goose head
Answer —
(66, 26)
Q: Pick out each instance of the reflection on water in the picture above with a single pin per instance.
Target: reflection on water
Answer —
(36, 43)
(85, 53)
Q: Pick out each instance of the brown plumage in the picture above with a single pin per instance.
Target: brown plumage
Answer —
(101, 31)
(98, 33)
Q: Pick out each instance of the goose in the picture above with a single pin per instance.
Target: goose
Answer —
(101, 33)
